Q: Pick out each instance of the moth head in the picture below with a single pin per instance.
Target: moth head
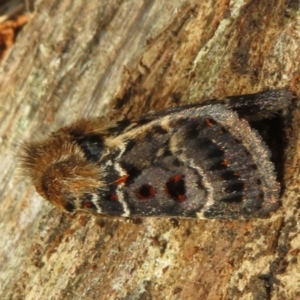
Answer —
(64, 168)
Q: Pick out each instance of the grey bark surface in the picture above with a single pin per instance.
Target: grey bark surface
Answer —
(121, 59)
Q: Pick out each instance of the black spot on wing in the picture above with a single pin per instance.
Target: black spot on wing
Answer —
(234, 198)
(175, 188)
(145, 192)
(131, 171)
(155, 131)
(210, 148)
(235, 186)
(177, 163)
(92, 147)
(218, 165)
(229, 175)
(129, 145)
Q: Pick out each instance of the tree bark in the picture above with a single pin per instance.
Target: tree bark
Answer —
(121, 59)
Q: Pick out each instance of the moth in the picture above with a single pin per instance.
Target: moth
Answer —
(195, 161)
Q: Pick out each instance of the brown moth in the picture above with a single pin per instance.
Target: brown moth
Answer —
(201, 160)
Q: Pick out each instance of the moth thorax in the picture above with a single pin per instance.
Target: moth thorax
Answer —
(66, 180)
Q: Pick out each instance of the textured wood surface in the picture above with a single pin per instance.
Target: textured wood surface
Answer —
(124, 58)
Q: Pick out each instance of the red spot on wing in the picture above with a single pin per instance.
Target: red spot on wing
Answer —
(225, 162)
(88, 204)
(121, 180)
(181, 197)
(176, 178)
(113, 197)
(209, 122)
